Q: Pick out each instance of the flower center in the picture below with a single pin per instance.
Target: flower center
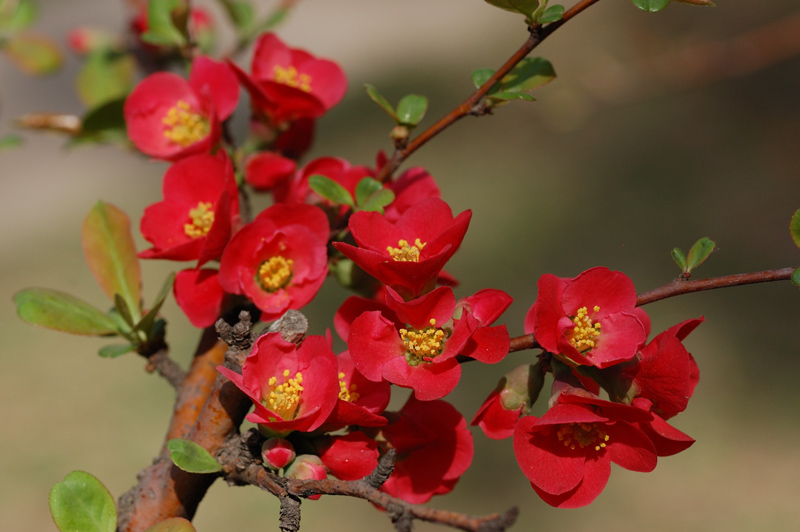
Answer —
(202, 218)
(284, 399)
(345, 393)
(275, 273)
(423, 345)
(289, 76)
(406, 252)
(183, 126)
(582, 435)
(583, 335)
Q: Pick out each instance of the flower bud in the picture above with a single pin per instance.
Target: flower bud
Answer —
(307, 467)
(277, 453)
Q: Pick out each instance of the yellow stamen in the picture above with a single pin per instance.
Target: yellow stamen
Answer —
(289, 76)
(183, 126)
(275, 273)
(423, 345)
(406, 252)
(584, 435)
(202, 219)
(284, 399)
(583, 335)
(346, 394)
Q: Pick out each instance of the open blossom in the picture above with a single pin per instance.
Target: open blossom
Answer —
(421, 354)
(198, 213)
(287, 84)
(407, 254)
(169, 117)
(292, 388)
(567, 453)
(199, 295)
(280, 260)
(361, 401)
(591, 319)
(516, 391)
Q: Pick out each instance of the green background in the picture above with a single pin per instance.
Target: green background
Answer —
(639, 146)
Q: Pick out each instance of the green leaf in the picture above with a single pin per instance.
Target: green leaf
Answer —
(330, 190)
(190, 457)
(146, 323)
(10, 141)
(123, 310)
(530, 73)
(481, 76)
(680, 258)
(105, 76)
(161, 29)
(411, 109)
(241, 14)
(80, 503)
(111, 254)
(794, 227)
(15, 16)
(526, 7)
(115, 350)
(506, 95)
(378, 200)
(173, 524)
(796, 277)
(33, 54)
(552, 14)
(105, 123)
(651, 5)
(365, 188)
(699, 252)
(56, 310)
(378, 98)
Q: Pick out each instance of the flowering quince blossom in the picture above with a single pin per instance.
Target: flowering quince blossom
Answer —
(267, 170)
(169, 117)
(434, 448)
(567, 453)
(499, 413)
(407, 254)
(297, 190)
(199, 295)
(361, 401)
(292, 388)
(421, 355)
(288, 84)
(199, 212)
(348, 457)
(280, 260)
(591, 319)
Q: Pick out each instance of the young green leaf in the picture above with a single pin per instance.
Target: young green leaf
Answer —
(146, 323)
(115, 350)
(680, 258)
(378, 98)
(552, 14)
(530, 73)
(411, 109)
(330, 190)
(241, 14)
(80, 503)
(699, 253)
(62, 312)
(161, 29)
(111, 254)
(173, 524)
(191, 457)
(651, 5)
(508, 95)
(481, 76)
(10, 141)
(365, 188)
(15, 16)
(105, 123)
(377, 201)
(105, 76)
(33, 54)
(796, 277)
(794, 227)
(525, 7)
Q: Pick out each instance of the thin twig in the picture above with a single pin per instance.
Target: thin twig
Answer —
(161, 363)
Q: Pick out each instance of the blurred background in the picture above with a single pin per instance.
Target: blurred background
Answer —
(660, 129)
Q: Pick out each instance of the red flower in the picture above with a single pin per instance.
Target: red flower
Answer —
(279, 261)
(169, 117)
(567, 453)
(297, 190)
(407, 254)
(349, 457)
(666, 439)
(292, 388)
(361, 401)
(591, 319)
(288, 84)
(199, 295)
(516, 391)
(422, 355)
(413, 185)
(434, 448)
(267, 170)
(199, 211)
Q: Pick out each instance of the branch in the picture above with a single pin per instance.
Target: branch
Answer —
(161, 363)
(242, 465)
(472, 105)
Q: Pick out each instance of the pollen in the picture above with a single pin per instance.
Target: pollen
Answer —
(284, 399)
(183, 126)
(406, 252)
(202, 218)
(289, 76)
(583, 435)
(584, 333)
(275, 273)
(347, 394)
(423, 345)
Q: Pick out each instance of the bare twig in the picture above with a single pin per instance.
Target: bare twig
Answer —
(161, 363)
